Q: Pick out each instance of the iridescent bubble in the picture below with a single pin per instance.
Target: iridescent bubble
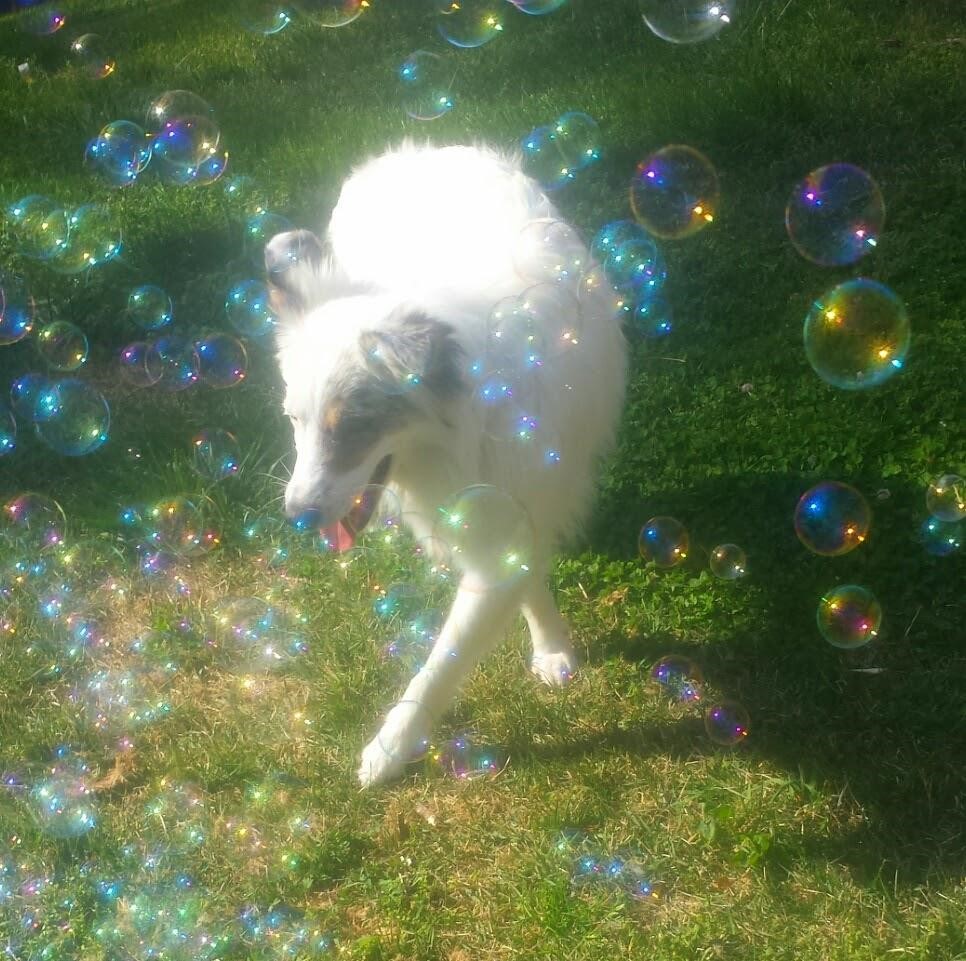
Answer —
(679, 677)
(135, 367)
(490, 534)
(651, 316)
(577, 139)
(664, 541)
(687, 21)
(149, 307)
(24, 392)
(729, 562)
(62, 345)
(857, 334)
(216, 454)
(613, 235)
(119, 152)
(222, 359)
(93, 239)
(42, 21)
(727, 723)
(542, 159)
(284, 932)
(75, 419)
(468, 23)
(39, 226)
(941, 538)
(186, 150)
(465, 760)
(411, 646)
(8, 431)
(89, 53)
(538, 8)
(249, 308)
(674, 192)
(258, 632)
(63, 800)
(434, 561)
(332, 13)
(529, 329)
(116, 699)
(849, 616)
(175, 360)
(16, 310)
(832, 518)
(265, 17)
(176, 526)
(175, 104)
(550, 250)
(425, 86)
(946, 498)
(835, 215)
(401, 600)
(259, 230)
(636, 266)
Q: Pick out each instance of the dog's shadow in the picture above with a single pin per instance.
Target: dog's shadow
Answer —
(885, 726)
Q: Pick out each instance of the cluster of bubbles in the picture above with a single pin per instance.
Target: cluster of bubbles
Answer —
(726, 722)
(465, 760)
(554, 154)
(181, 142)
(665, 542)
(591, 865)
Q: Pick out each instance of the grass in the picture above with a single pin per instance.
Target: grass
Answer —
(837, 830)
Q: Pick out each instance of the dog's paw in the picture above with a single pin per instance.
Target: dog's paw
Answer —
(404, 737)
(555, 668)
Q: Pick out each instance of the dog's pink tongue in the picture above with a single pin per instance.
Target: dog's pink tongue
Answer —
(338, 537)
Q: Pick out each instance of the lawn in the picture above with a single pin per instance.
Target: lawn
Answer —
(836, 830)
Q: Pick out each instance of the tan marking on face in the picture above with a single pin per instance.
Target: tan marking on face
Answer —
(332, 415)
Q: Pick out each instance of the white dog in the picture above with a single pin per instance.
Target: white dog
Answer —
(399, 372)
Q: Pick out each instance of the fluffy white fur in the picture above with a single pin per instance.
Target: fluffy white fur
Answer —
(432, 232)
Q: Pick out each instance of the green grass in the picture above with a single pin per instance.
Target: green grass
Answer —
(838, 831)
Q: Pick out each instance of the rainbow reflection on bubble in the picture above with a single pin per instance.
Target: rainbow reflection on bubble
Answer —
(728, 723)
(849, 616)
(149, 307)
(468, 23)
(729, 562)
(674, 192)
(216, 454)
(679, 677)
(425, 85)
(222, 360)
(832, 518)
(941, 538)
(664, 541)
(75, 418)
(857, 335)
(835, 215)
(946, 498)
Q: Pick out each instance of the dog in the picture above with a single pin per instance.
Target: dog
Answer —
(419, 352)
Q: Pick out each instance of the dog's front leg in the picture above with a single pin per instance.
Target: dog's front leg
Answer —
(475, 625)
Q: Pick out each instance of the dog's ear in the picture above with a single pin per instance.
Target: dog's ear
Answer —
(415, 350)
(294, 264)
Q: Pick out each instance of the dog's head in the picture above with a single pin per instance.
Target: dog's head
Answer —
(366, 377)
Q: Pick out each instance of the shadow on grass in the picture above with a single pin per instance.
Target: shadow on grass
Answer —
(884, 724)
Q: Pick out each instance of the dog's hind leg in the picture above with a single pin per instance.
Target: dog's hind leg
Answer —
(554, 660)
(475, 625)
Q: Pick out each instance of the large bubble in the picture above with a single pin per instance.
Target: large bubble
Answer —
(75, 418)
(687, 21)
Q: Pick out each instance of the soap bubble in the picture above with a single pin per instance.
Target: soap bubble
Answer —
(8, 431)
(688, 21)
(176, 525)
(62, 345)
(63, 801)
(835, 215)
(727, 723)
(577, 138)
(857, 334)
(332, 13)
(173, 105)
(425, 85)
(186, 150)
(266, 17)
(149, 307)
(263, 635)
(16, 310)
(542, 160)
(175, 360)
(849, 616)
(249, 308)
(259, 230)
(674, 192)
(75, 419)
(832, 518)
(664, 541)
(946, 498)
(538, 8)
(39, 226)
(468, 23)
(398, 601)
(119, 152)
(411, 646)
(113, 700)
(222, 360)
(679, 677)
(729, 562)
(529, 329)
(490, 534)
(550, 250)
(135, 366)
(216, 454)
(941, 538)
(89, 54)
(24, 393)
(636, 266)
(42, 20)
(465, 760)
(651, 316)
(93, 239)
(613, 235)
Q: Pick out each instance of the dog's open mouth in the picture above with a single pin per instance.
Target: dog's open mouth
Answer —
(341, 535)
